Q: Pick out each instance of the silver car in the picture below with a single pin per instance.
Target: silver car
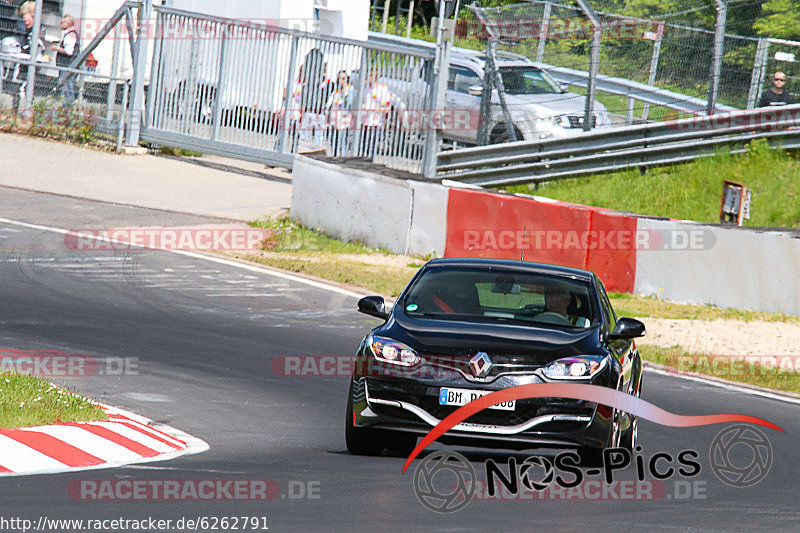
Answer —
(540, 108)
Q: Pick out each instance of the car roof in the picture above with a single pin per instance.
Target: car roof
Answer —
(539, 268)
(504, 59)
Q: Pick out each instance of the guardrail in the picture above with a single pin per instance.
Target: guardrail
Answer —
(657, 144)
(634, 90)
(642, 92)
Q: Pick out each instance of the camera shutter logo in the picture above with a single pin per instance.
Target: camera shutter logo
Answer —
(436, 497)
(537, 462)
(731, 442)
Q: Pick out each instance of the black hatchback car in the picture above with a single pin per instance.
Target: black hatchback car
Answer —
(464, 328)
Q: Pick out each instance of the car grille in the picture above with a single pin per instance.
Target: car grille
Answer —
(501, 364)
(525, 409)
(576, 121)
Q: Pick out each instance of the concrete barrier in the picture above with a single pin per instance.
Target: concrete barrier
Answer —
(403, 216)
(736, 268)
(674, 260)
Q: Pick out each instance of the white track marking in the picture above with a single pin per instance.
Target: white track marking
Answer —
(218, 260)
(90, 443)
(728, 386)
(19, 457)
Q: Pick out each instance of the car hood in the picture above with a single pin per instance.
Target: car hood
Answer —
(537, 345)
(551, 104)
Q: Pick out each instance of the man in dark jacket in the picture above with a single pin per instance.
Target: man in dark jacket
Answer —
(776, 96)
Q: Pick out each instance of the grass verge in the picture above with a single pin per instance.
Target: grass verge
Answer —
(27, 401)
(692, 191)
(379, 278)
(649, 307)
(764, 372)
(308, 251)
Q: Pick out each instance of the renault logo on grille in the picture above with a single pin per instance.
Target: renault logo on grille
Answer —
(480, 364)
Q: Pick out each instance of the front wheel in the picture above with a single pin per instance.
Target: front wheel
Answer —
(360, 441)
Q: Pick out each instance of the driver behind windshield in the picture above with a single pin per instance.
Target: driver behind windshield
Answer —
(557, 299)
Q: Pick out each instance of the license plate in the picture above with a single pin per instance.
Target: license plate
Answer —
(448, 396)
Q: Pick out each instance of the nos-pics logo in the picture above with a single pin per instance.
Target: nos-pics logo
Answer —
(446, 482)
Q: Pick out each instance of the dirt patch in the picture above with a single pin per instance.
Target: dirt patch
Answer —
(724, 337)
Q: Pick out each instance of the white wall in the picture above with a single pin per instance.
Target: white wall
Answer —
(743, 269)
(377, 210)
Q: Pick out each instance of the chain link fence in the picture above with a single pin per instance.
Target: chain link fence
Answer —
(670, 48)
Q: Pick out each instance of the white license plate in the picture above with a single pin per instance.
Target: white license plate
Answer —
(448, 396)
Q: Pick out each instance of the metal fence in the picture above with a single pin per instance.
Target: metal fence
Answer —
(265, 93)
(37, 105)
(656, 53)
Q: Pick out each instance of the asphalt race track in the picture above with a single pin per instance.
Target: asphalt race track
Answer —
(203, 336)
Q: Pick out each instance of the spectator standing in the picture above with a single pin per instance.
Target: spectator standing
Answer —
(378, 99)
(314, 95)
(339, 107)
(66, 51)
(776, 95)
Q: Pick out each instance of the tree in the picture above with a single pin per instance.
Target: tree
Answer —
(781, 19)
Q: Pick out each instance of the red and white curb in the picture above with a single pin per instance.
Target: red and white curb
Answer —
(125, 438)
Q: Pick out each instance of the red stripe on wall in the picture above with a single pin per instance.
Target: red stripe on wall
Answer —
(483, 224)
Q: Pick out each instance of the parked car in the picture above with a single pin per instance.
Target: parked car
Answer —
(540, 108)
(466, 327)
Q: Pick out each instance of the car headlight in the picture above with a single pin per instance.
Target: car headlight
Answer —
(577, 367)
(391, 351)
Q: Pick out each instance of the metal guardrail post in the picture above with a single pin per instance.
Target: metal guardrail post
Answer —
(121, 127)
(719, 51)
(139, 66)
(441, 69)
(759, 70)
(223, 47)
(283, 140)
(544, 29)
(111, 96)
(651, 80)
(35, 35)
(594, 62)
(155, 72)
(433, 137)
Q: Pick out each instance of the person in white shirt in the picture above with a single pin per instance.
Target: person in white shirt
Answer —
(66, 51)
(378, 100)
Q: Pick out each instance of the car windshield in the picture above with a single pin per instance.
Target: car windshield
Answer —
(501, 295)
(528, 80)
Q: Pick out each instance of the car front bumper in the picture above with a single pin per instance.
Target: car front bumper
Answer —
(398, 400)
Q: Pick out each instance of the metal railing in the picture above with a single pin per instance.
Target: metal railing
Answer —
(264, 93)
(98, 109)
(656, 144)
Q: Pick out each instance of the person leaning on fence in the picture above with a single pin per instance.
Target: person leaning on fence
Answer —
(339, 106)
(776, 95)
(378, 100)
(314, 95)
(66, 51)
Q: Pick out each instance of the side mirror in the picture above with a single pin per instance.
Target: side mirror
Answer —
(373, 306)
(564, 87)
(475, 90)
(628, 328)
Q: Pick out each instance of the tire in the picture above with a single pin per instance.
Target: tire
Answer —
(630, 437)
(360, 441)
(503, 137)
